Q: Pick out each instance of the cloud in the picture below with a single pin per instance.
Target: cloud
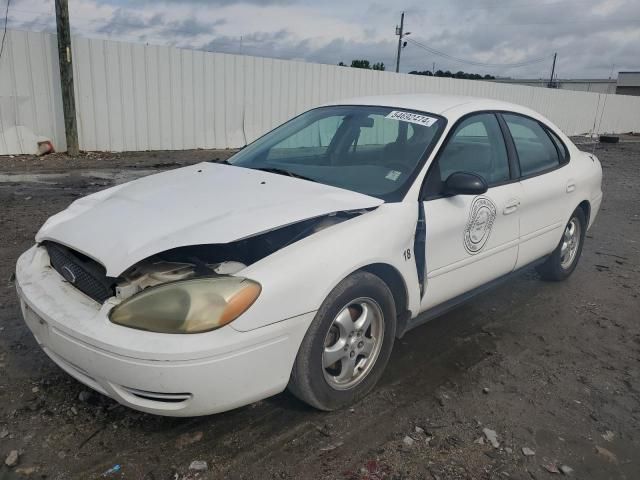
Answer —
(190, 27)
(202, 2)
(589, 35)
(124, 22)
(586, 36)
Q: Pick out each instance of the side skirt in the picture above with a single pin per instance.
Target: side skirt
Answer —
(406, 324)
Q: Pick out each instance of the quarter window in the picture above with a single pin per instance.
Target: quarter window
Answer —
(536, 151)
(476, 146)
(562, 149)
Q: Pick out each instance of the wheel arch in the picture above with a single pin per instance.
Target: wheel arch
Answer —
(396, 283)
(586, 208)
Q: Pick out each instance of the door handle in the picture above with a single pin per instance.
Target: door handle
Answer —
(571, 186)
(511, 206)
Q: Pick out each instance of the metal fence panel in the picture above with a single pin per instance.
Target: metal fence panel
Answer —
(145, 97)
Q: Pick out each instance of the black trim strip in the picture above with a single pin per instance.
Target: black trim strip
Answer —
(514, 163)
(449, 305)
(420, 248)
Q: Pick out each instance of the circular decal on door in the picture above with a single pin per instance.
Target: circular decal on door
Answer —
(478, 228)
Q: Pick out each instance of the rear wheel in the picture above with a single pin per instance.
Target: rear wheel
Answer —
(348, 344)
(562, 262)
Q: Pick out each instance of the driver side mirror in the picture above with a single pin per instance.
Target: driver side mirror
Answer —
(465, 183)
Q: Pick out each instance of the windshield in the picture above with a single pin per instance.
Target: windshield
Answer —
(372, 150)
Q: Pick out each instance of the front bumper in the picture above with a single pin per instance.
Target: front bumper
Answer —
(176, 375)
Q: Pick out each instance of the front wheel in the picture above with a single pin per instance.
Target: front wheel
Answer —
(348, 344)
(564, 259)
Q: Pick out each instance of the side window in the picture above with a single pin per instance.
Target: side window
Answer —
(536, 150)
(476, 146)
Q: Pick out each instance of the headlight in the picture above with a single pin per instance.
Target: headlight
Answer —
(187, 306)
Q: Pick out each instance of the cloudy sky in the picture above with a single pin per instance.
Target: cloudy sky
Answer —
(592, 37)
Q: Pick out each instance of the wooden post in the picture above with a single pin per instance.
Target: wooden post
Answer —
(66, 76)
(399, 32)
(553, 70)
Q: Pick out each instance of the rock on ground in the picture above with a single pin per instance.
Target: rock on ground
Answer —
(12, 458)
(198, 465)
(492, 437)
(527, 452)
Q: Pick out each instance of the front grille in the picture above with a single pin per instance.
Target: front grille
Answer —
(82, 272)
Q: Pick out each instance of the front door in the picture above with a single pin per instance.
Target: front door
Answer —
(470, 240)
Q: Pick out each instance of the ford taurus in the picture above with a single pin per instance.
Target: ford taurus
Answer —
(297, 262)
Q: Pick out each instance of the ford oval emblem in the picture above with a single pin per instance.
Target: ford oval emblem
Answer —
(68, 275)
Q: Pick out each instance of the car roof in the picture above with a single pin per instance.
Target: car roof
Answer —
(449, 106)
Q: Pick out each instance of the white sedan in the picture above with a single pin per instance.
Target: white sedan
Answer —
(298, 262)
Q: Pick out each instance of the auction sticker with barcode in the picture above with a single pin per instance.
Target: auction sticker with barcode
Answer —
(425, 120)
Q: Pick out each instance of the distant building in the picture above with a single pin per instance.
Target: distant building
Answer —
(580, 85)
(628, 83)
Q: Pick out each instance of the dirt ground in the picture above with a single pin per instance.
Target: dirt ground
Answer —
(551, 367)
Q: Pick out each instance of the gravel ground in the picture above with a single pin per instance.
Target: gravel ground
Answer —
(552, 368)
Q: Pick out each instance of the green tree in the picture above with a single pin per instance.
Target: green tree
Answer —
(366, 64)
(361, 64)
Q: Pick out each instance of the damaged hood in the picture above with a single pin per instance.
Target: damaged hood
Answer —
(200, 204)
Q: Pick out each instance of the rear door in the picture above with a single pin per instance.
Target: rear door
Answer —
(546, 186)
(470, 240)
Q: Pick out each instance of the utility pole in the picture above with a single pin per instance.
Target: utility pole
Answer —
(553, 70)
(399, 32)
(66, 76)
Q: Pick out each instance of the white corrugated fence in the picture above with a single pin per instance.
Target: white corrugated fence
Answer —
(143, 97)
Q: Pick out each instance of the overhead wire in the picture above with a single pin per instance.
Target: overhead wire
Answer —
(474, 62)
(4, 33)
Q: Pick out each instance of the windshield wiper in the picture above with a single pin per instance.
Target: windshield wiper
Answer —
(282, 171)
(217, 160)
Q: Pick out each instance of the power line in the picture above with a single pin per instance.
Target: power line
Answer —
(4, 34)
(513, 5)
(472, 62)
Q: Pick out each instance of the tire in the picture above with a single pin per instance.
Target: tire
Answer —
(327, 387)
(558, 267)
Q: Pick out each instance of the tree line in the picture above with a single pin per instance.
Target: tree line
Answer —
(366, 64)
(448, 74)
